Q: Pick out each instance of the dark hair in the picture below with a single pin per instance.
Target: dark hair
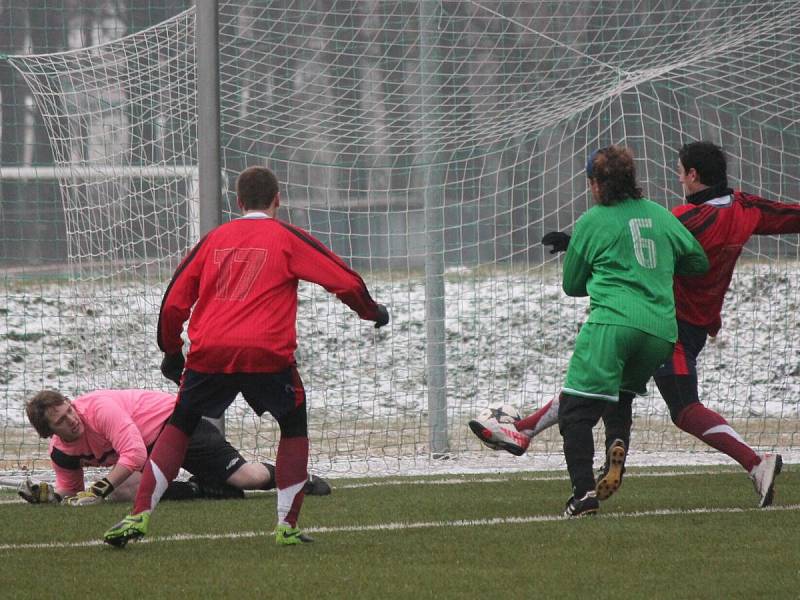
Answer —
(36, 409)
(613, 169)
(708, 160)
(256, 187)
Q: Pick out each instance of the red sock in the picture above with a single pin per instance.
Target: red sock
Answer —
(715, 431)
(545, 417)
(162, 466)
(291, 474)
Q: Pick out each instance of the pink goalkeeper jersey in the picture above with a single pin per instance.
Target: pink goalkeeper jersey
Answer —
(119, 427)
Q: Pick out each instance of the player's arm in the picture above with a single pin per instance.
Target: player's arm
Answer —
(577, 270)
(690, 258)
(312, 261)
(115, 425)
(775, 217)
(178, 300)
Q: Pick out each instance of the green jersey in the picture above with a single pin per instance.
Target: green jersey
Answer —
(624, 257)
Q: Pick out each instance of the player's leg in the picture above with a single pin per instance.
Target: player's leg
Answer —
(617, 421)
(176, 490)
(542, 419)
(220, 471)
(593, 380)
(644, 353)
(677, 382)
(576, 417)
(212, 461)
(515, 437)
(261, 476)
(283, 395)
(200, 394)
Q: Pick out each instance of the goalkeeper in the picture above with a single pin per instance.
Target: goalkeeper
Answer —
(115, 428)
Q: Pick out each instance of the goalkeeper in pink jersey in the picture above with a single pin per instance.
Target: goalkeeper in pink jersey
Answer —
(116, 428)
(722, 220)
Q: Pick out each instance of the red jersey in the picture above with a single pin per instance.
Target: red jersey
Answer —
(723, 225)
(241, 279)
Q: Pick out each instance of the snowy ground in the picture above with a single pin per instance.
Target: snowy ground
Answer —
(508, 339)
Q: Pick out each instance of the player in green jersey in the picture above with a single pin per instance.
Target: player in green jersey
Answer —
(623, 254)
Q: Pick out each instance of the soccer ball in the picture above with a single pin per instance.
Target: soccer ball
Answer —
(503, 413)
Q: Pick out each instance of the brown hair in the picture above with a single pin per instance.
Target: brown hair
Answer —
(614, 170)
(256, 187)
(36, 408)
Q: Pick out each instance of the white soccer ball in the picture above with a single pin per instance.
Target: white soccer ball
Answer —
(503, 413)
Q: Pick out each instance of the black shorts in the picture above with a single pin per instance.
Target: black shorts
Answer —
(210, 457)
(691, 341)
(209, 394)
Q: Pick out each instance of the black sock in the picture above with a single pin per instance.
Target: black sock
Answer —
(181, 490)
(270, 485)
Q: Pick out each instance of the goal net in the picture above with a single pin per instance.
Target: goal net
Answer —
(431, 145)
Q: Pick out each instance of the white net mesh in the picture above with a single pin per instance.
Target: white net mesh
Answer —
(373, 112)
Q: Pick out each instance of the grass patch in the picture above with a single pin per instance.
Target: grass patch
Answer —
(436, 542)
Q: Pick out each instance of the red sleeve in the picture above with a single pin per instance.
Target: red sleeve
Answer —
(178, 300)
(312, 261)
(776, 217)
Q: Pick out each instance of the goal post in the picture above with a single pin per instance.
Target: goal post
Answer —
(431, 144)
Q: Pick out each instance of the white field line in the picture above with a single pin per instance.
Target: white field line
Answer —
(456, 480)
(184, 537)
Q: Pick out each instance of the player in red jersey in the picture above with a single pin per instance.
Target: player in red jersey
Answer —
(722, 220)
(239, 283)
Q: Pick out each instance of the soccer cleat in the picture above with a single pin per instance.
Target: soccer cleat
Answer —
(132, 527)
(763, 476)
(316, 486)
(286, 535)
(500, 436)
(610, 477)
(588, 505)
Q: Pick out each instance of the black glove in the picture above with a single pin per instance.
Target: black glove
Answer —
(172, 367)
(382, 318)
(557, 239)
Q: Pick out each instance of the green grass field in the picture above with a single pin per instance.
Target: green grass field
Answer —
(696, 534)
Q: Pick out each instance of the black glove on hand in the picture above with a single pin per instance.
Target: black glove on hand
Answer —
(172, 367)
(382, 318)
(558, 240)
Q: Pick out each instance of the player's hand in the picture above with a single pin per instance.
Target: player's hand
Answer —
(382, 318)
(38, 493)
(94, 495)
(172, 367)
(85, 498)
(557, 239)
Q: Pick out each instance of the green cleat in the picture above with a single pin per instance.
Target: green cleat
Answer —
(285, 535)
(132, 527)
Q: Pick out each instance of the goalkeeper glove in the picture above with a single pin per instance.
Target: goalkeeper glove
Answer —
(85, 498)
(38, 493)
(557, 239)
(94, 495)
(172, 367)
(383, 316)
